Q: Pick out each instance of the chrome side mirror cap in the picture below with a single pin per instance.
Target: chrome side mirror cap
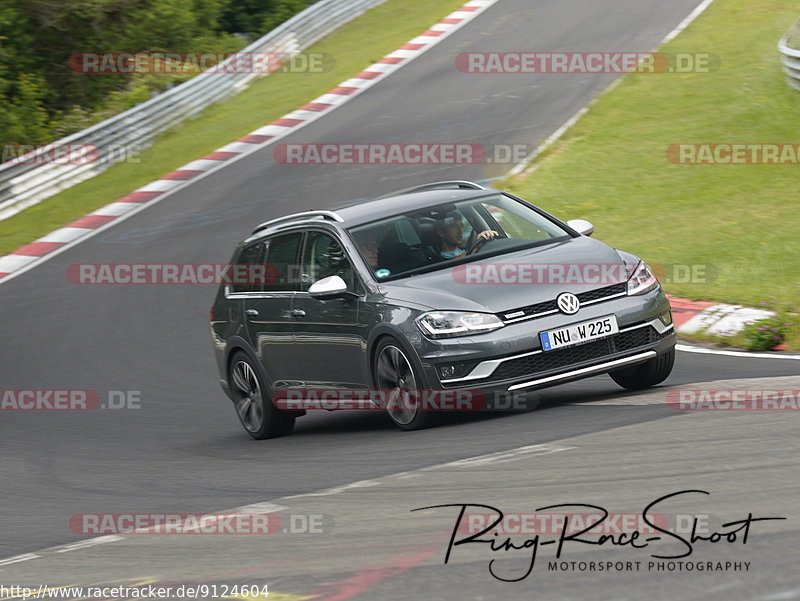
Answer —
(581, 226)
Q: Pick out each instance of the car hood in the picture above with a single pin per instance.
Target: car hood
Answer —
(509, 281)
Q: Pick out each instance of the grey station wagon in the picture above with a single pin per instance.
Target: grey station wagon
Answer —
(448, 287)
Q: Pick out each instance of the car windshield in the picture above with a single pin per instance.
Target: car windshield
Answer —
(447, 234)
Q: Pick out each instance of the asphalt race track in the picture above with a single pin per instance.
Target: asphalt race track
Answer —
(184, 450)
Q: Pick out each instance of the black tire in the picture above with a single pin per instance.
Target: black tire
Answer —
(259, 417)
(648, 374)
(402, 414)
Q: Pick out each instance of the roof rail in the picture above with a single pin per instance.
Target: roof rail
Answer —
(305, 215)
(457, 184)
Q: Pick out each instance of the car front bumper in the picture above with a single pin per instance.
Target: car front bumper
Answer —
(511, 358)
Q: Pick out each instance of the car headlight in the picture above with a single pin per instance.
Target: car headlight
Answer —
(446, 324)
(642, 280)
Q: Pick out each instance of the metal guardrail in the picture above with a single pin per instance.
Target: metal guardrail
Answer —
(790, 58)
(23, 184)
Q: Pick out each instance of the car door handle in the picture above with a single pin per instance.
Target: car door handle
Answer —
(298, 313)
(251, 313)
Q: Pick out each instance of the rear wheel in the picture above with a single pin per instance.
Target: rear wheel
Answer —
(258, 415)
(648, 374)
(398, 381)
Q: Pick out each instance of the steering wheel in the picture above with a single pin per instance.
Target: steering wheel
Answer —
(478, 244)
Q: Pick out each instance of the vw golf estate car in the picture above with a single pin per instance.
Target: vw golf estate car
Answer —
(448, 286)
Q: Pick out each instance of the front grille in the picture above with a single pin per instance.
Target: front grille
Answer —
(543, 307)
(599, 293)
(591, 351)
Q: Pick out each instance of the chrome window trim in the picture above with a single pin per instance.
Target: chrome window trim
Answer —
(270, 294)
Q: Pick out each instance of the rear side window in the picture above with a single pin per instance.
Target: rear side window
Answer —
(249, 255)
(283, 271)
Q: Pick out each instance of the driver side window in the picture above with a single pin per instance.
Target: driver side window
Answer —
(324, 257)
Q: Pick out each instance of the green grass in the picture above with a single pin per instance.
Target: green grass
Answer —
(612, 169)
(793, 36)
(354, 47)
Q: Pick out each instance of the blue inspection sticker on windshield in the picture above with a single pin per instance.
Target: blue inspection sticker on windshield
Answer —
(382, 273)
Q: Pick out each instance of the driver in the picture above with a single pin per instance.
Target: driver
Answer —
(450, 231)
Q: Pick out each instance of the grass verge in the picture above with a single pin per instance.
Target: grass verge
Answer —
(741, 221)
(354, 47)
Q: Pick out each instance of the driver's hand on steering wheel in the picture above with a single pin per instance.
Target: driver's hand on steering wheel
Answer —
(481, 239)
(488, 235)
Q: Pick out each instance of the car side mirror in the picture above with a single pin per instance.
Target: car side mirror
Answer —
(581, 226)
(330, 287)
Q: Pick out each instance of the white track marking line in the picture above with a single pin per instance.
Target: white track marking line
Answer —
(781, 596)
(237, 147)
(18, 558)
(159, 185)
(271, 130)
(64, 234)
(743, 354)
(14, 263)
(265, 507)
(116, 209)
(336, 489)
(300, 114)
(329, 99)
(701, 8)
(198, 165)
(536, 450)
(383, 67)
(90, 542)
(356, 82)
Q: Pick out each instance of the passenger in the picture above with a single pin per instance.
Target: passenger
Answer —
(370, 250)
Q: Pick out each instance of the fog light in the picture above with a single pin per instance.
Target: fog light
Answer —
(666, 318)
(447, 371)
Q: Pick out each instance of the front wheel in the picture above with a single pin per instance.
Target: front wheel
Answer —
(649, 373)
(398, 381)
(258, 415)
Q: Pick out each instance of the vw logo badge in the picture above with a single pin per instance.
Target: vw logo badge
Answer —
(568, 303)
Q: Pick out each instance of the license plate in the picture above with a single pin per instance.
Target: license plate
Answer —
(578, 333)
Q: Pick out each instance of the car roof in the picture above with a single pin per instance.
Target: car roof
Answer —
(353, 214)
(366, 211)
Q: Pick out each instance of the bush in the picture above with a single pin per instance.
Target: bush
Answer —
(766, 334)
